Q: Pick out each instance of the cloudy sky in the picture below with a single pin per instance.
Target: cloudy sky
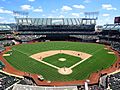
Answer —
(107, 9)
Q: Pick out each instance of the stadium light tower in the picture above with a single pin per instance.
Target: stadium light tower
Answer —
(20, 14)
(91, 15)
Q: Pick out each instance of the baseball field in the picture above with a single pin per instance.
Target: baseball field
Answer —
(60, 60)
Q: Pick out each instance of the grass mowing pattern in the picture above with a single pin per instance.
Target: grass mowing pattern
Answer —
(20, 59)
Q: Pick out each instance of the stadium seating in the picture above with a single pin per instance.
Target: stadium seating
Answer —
(6, 81)
(27, 38)
(29, 32)
(2, 48)
(114, 81)
(116, 46)
(6, 43)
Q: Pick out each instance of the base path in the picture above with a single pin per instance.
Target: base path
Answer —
(40, 56)
(45, 54)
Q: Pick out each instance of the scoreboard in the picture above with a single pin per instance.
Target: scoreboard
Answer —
(117, 20)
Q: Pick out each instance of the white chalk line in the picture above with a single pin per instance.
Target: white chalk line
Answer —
(71, 67)
(20, 51)
(39, 60)
(49, 64)
(79, 63)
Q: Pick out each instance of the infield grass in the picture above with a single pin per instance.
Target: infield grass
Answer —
(54, 60)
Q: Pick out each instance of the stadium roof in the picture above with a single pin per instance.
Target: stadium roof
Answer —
(55, 21)
(5, 27)
(112, 27)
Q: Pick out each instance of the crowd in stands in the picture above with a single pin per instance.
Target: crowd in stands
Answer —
(113, 81)
(108, 36)
(6, 43)
(85, 37)
(4, 36)
(2, 48)
(27, 81)
(20, 37)
(6, 81)
(27, 37)
(96, 87)
(91, 87)
(103, 41)
(116, 46)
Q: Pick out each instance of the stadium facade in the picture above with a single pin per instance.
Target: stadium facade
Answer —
(70, 29)
(53, 29)
(59, 29)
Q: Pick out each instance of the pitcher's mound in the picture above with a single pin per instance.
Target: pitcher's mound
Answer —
(65, 71)
(62, 59)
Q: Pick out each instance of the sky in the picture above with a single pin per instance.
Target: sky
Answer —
(108, 9)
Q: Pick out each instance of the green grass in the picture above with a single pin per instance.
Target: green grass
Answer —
(54, 60)
(100, 60)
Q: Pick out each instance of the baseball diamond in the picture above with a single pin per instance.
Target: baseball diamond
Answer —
(90, 58)
(59, 46)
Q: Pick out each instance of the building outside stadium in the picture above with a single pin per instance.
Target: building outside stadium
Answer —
(59, 51)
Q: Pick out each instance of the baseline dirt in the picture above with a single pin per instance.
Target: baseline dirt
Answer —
(41, 55)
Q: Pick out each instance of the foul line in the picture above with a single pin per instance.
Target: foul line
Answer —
(49, 64)
(20, 51)
(96, 51)
(79, 63)
(58, 67)
(85, 59)
(38, 60)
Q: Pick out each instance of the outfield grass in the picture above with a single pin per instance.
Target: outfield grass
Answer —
(100, 60)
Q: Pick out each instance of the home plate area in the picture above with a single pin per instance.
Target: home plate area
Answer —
(65, 71)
